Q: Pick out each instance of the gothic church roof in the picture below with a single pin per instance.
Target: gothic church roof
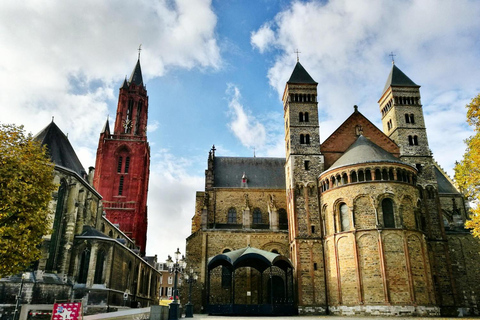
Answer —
(136, 76)
(59, 148)
(397, 78)
(300, 75)
(362, 151)
(268, 173)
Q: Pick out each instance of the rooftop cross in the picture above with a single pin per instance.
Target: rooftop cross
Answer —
(297, 52)
(392, 55)
(139, 49)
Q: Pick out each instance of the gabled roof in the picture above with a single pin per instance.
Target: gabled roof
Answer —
(268, 173)
(397, 78)
(300, 75)
(59, 148)
(347, 133)
(363, 151)
(136, 76)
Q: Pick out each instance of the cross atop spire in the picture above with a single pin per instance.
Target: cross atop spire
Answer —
(139, 49)
(392, 55)
(297, 52)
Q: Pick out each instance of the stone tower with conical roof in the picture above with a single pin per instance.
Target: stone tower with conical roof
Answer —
(304, 163)
(123, 161)
(403, 122)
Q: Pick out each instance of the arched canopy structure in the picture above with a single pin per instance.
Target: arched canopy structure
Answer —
(270, 290)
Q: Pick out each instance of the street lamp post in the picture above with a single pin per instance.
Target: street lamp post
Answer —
(175, 267)
(19, 296)
(190, 278)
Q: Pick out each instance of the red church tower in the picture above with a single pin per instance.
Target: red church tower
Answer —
(123, 161)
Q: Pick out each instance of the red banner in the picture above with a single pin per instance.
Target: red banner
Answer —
(67, 311)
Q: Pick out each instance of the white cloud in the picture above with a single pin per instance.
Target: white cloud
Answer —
(63, 58)
(171, 203)
(153, 126)
(246, 128)
(263, 38)
(345, 45)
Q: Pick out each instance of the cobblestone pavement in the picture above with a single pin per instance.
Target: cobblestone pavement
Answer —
(207, 317)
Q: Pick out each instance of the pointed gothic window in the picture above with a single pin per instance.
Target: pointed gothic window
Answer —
(57, 228)
(139, 114)
(388, 217)
(127, 164)
(120, 186)
(99, 267)
(119, 164)
(83, 267)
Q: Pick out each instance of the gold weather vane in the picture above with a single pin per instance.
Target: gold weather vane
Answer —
(139, 49)
(297, 52)
(392, 55)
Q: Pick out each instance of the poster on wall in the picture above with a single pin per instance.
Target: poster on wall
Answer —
(67, 311)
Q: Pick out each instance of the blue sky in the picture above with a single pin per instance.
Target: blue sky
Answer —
(215, 72)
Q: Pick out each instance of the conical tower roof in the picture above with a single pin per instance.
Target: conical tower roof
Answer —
(300, 75)
(59, 148)
(363, 151)
(136, 76)
(397, 78)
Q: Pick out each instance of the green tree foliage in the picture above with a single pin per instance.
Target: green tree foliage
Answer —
(26, 185)
(467, 171)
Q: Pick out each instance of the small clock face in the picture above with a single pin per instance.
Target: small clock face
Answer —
(127, 123)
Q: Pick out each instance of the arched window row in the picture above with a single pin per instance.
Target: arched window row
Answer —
(298, 97)
(303, 117)
(407, 101)
(304, 139)
(413, 140)
(387, 107)
(367, 174)
(412, 101)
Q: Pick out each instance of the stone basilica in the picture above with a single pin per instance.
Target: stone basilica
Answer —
(364, 223)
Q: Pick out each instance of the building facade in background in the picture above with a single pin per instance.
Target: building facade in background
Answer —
(371, 224)
(87, 256)
(122, 167)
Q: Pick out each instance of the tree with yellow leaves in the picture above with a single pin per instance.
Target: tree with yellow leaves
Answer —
(26, 185)
(467, 171)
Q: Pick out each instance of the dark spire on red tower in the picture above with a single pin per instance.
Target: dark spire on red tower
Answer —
(123, 161)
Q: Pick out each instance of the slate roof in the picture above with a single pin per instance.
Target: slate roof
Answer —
(363, 151)
(59, 148)
(397, 78)
(88, 231)
(136, 76)
(444, 186)
(268, 173)
(300, 75)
